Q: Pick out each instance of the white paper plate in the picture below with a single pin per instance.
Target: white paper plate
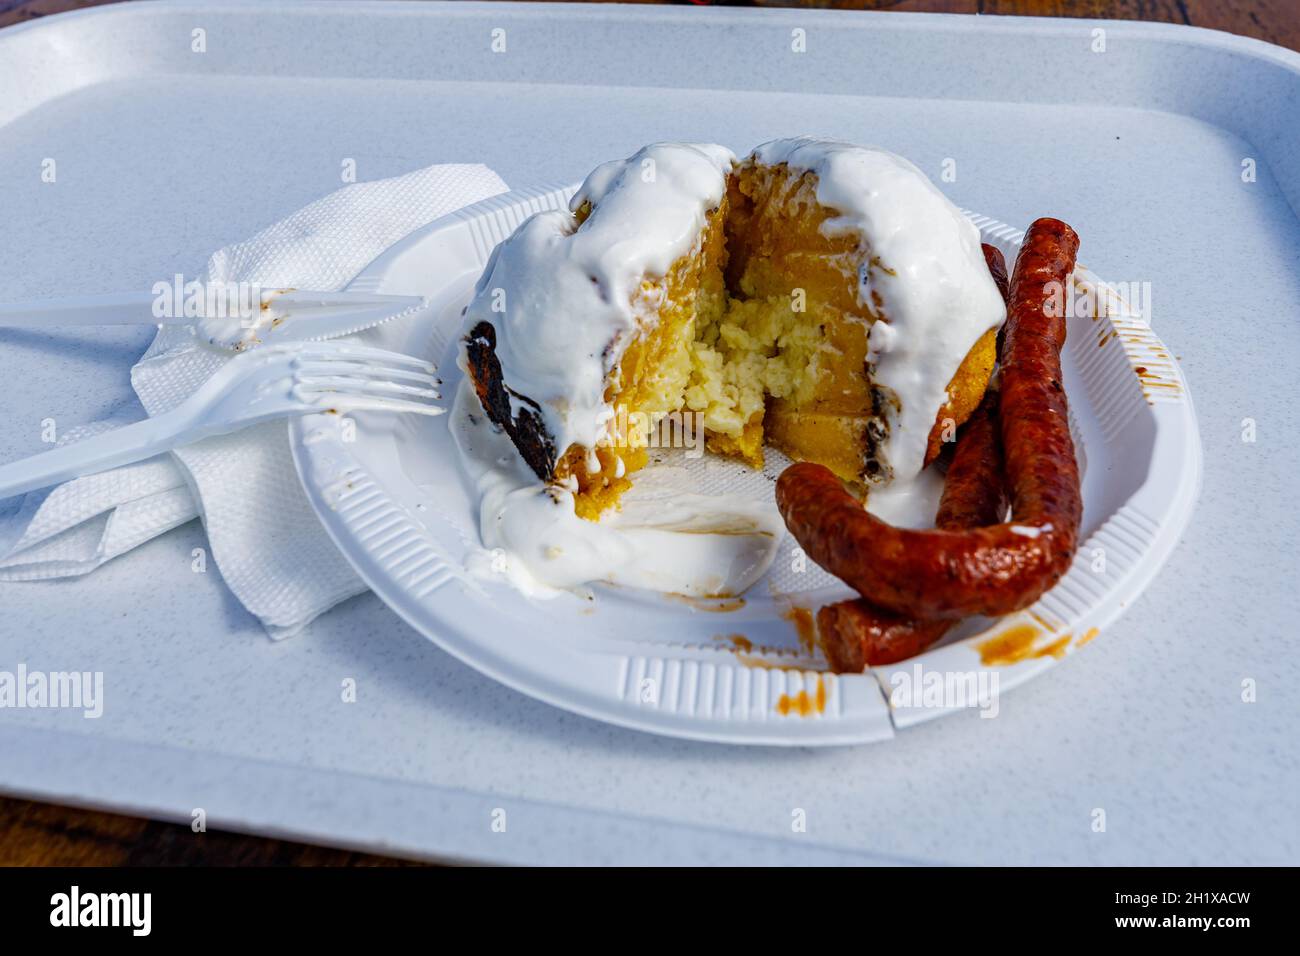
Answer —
(391, 493)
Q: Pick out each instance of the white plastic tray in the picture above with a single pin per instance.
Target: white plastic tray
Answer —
(164, 154)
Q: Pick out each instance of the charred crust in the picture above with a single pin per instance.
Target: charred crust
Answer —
(875, 435)
(526, 430)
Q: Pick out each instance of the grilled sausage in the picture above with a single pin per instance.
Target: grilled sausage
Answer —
(854, 634)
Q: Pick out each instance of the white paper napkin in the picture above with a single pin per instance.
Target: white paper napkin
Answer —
(263, 536)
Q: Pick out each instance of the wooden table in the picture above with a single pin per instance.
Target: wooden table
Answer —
(1277, 21)
(41, 834)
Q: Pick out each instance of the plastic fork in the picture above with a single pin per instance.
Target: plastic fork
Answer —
(276, 381)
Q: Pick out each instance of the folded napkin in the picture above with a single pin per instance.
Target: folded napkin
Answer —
(262, 533)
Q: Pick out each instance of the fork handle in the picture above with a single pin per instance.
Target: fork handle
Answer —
(121, 446)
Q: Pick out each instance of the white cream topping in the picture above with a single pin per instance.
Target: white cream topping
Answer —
(563, 301)
(661, 540)
(1030, 531)
(908, 504)
(561, 298)
(934, 286)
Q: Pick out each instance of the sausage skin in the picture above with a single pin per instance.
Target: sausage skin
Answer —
(997, 269)
(992, 570)
(854, 634)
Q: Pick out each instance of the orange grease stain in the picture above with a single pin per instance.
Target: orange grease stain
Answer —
(803, 703)
(741, 643)
(713, 605)
(1088, 636)
(763, 663)
(747, 652)
(1042, 622)
(805, 625)
(1151, 379)
(1016, 644)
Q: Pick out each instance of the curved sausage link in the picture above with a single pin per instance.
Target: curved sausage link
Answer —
(854, 634)
(997, 268)
(989, 570)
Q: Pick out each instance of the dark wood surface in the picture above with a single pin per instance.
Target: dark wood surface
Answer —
(1277, 21)
(39, 834)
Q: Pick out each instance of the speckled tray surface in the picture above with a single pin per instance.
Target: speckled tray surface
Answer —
(1176, 154)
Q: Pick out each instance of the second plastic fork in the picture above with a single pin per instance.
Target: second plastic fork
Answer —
(267, 383)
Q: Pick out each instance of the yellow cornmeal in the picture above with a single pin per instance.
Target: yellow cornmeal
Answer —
(760, 332)
(757, 349)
